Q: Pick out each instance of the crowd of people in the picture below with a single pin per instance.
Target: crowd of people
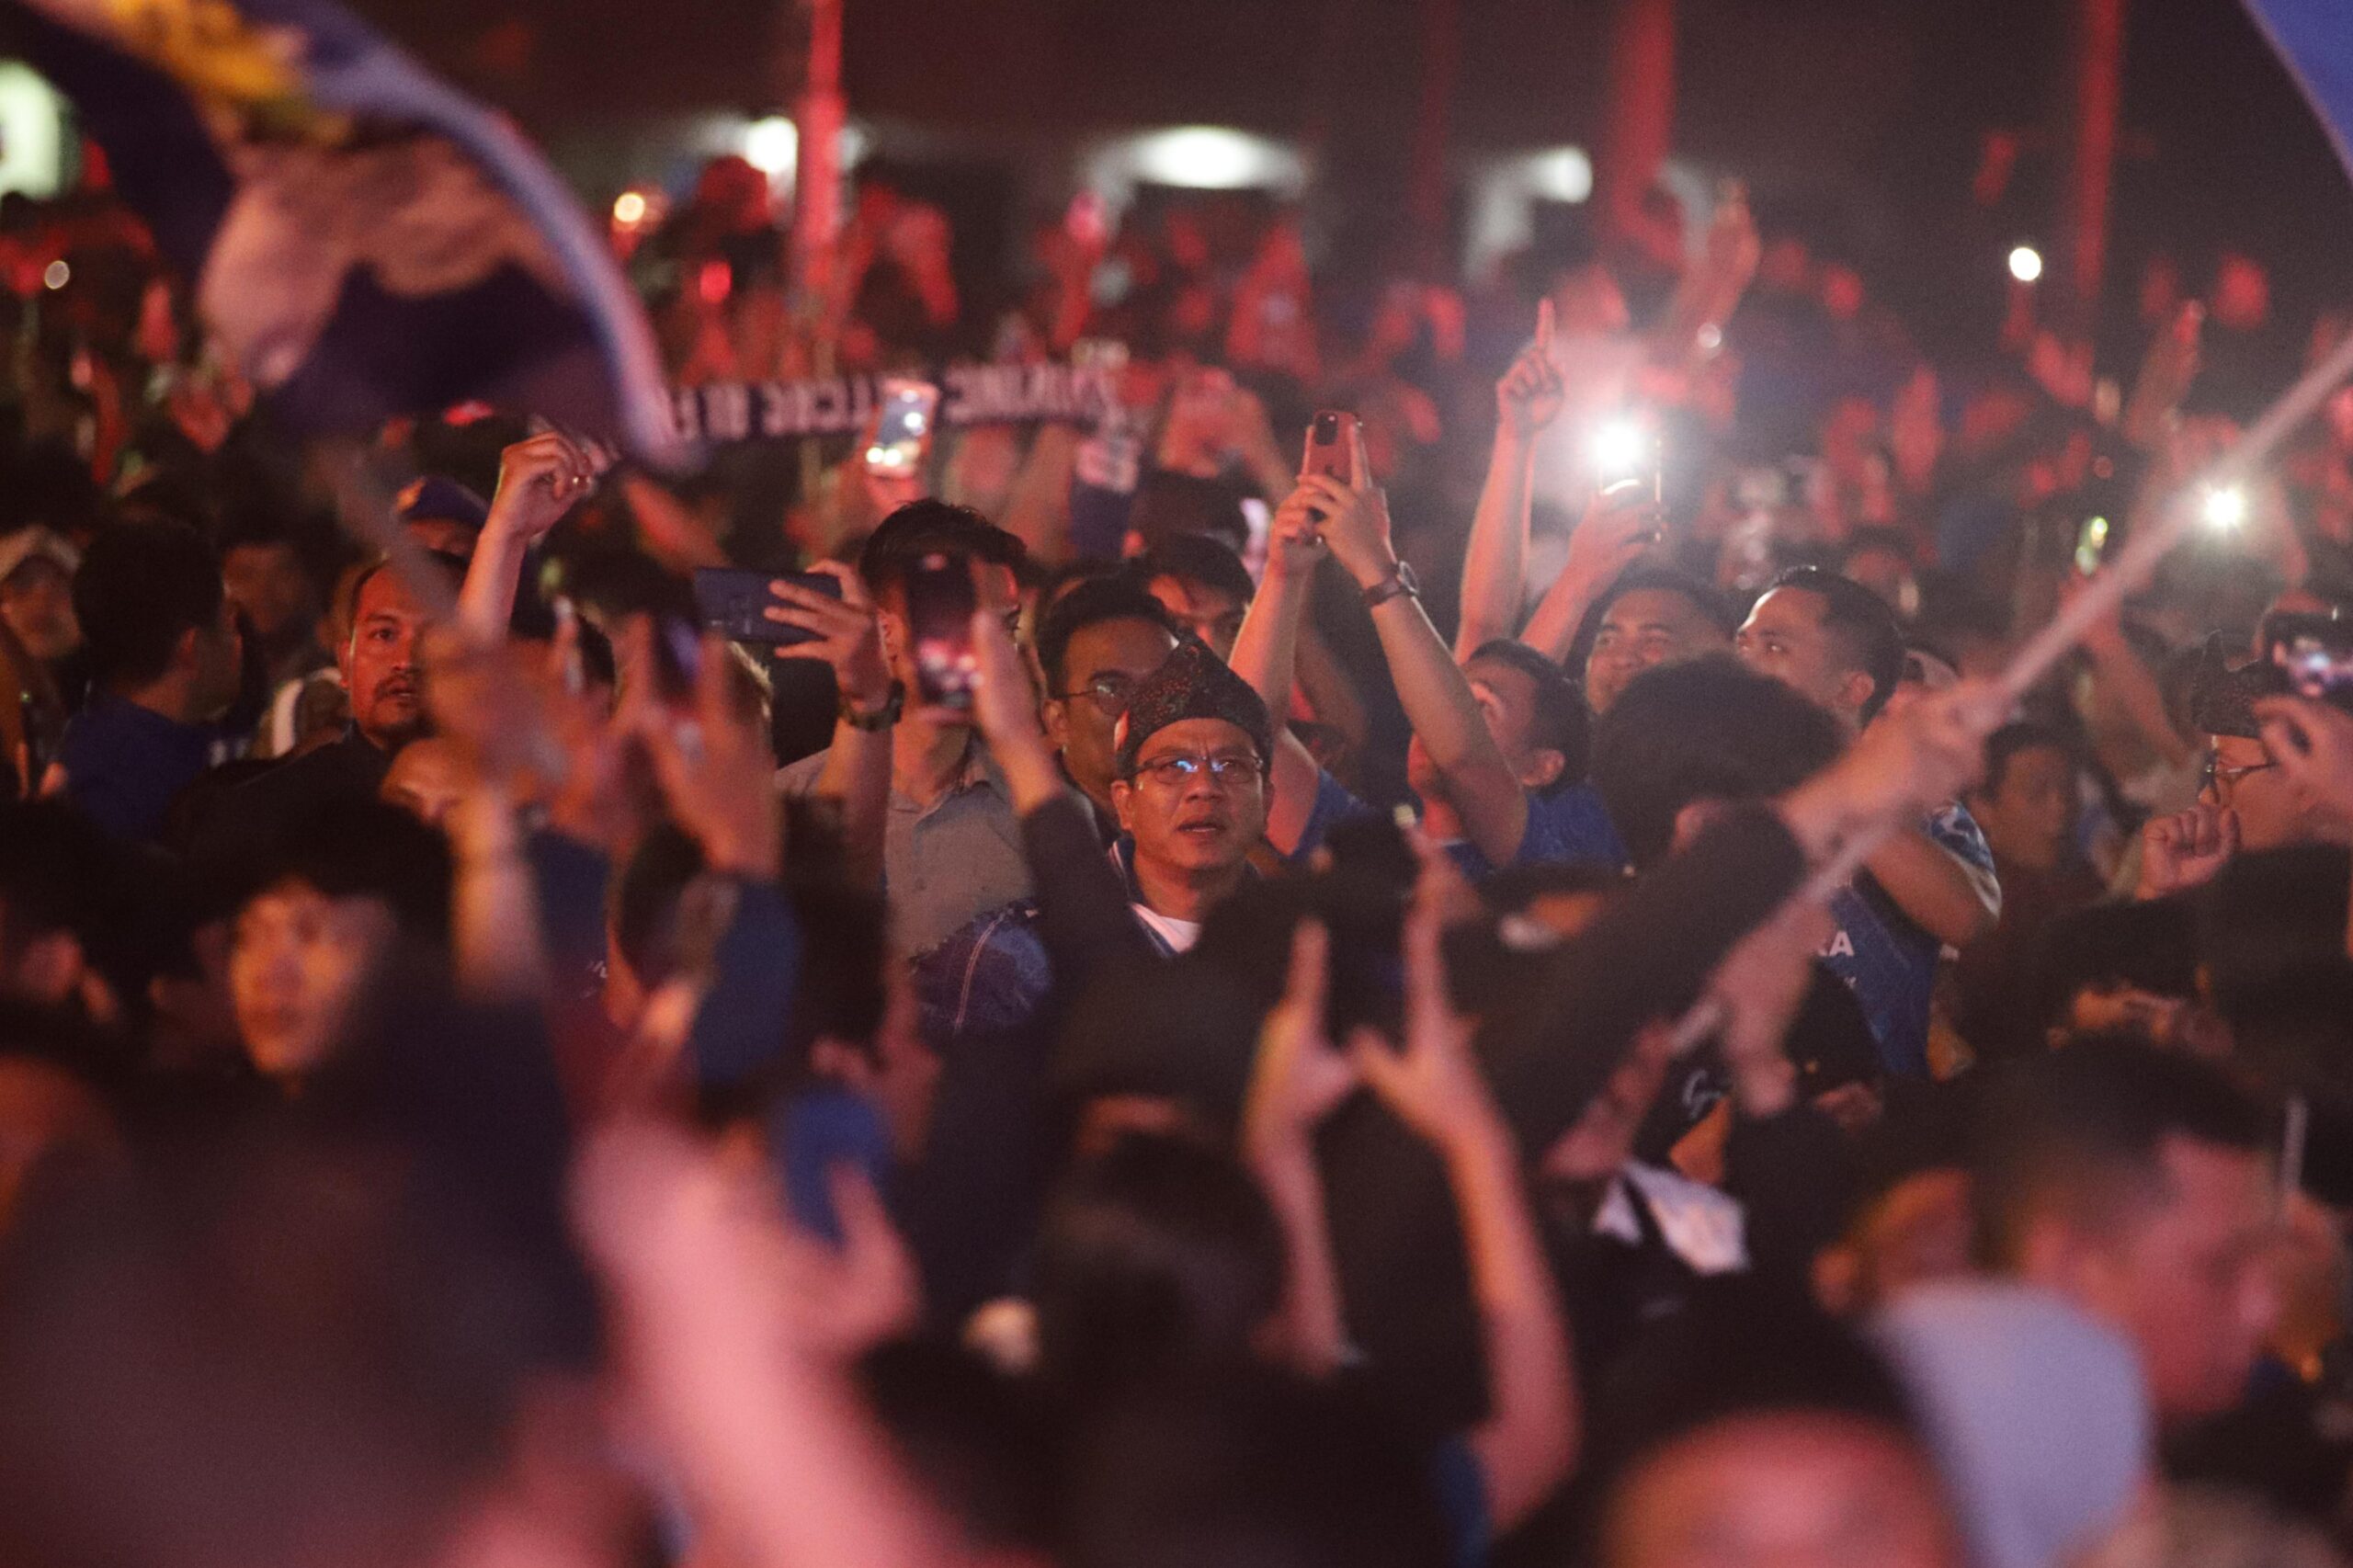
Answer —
(1306, 1029)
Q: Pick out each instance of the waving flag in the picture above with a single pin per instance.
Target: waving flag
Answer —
(365, 239)
(2315, 39)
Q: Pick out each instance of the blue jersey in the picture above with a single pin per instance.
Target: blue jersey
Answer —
(1569, 826)
(1889, 962)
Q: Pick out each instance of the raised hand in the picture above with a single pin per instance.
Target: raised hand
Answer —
(2165, 380)
(1434, 1084)
(1004, 704)
(1531, 395)
(1760, 985)
(715, 765)
(541, 479)
(1299, 1078)
(1619, 526)
(849, 634)
(1295, 540)
(2186, 849)
(1005, 710)
(1356, 516)
(1906, 763)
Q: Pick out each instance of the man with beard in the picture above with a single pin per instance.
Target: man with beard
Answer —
(379, 663)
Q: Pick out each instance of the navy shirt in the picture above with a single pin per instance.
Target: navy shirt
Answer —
(125, 765)
(1569, 826)
(1889, 962)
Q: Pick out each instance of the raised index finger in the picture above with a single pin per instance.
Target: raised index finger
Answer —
(1544, 326)
(1360, 466)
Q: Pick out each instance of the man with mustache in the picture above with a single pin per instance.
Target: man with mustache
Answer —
(379, 662)
(1191, 756)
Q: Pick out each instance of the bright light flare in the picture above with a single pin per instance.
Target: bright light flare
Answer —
(1209, 157)
(56, 275)
(772, 145)
(2224, 509)
(1617, 446)
(2026, 264)
(628, 209)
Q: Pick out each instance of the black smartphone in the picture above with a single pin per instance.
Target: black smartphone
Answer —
(730, 601)
(2314, 654)
(940, 602)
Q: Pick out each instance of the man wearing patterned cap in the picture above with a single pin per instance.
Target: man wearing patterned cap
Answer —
(1189, 763)
(1194, 748)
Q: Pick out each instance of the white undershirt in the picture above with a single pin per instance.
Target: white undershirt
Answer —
(1180, 934)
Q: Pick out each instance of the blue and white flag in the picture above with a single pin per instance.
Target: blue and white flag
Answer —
(365, 239)
(2315, 39)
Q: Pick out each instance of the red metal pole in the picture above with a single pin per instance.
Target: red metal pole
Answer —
(2091, 154)
(1640, 123)
(816, 185)
(1441, 62)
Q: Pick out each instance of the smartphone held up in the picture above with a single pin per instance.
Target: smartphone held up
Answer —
(902, 430)
(734, 602)
(1330, 446)
(940, 601)
(2314, 656)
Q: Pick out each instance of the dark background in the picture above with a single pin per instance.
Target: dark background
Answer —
(1862, 117)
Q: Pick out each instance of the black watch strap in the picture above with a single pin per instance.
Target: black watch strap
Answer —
(1400, 583)
(872, 719)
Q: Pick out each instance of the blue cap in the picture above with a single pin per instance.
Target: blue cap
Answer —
(437, 500)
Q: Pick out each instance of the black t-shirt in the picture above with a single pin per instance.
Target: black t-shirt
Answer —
(246, 819)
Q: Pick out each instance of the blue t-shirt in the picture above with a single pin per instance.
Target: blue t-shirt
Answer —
(1570, 826)
(1334, 805)
(1890, 963)
(125, 765)
(1567, 827)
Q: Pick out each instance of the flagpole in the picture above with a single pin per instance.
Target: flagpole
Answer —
(816, 200)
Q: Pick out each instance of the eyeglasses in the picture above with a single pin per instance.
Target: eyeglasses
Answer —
(1172, 772)
(1111, 693)
(2221, 781)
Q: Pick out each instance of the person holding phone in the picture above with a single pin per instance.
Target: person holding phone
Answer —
(924, 807)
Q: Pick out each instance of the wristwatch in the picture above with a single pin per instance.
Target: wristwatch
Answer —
(872, 719)
(1400, 583)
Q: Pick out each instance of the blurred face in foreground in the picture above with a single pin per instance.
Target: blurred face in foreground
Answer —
(299, 958)
(2182, 1271)
(1189, 821)
(1643, 628)
(1791, 1488)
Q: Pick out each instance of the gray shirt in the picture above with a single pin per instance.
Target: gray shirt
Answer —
(946, 862)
